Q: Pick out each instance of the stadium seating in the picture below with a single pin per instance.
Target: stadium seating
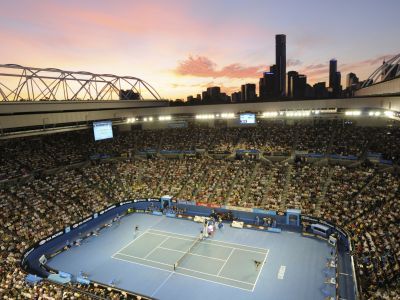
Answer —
(51, 181)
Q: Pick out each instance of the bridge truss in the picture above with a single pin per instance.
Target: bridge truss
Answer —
(19, 83)
(388, 70)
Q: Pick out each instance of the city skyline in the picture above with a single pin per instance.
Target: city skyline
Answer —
(183, 48)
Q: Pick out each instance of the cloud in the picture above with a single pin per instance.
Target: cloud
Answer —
(201, 66)
(293, 62)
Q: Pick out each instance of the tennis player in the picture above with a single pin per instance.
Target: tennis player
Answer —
(257, 264)
(135, 234)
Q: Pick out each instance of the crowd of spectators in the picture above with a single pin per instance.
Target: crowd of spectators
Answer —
(23, 156)
(362, 198)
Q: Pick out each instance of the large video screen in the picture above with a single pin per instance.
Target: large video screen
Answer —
(247, 118)
(102, 130)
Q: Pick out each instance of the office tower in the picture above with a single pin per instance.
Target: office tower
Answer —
(332, 73)
(249, 92)
(320, 90)
(280, 57)
(214, 92)
(204, 96)
(351, 80)
(243, 93)
(337, 90)
(269, 81)
(236, 97)
(291, 75)
(299, 86)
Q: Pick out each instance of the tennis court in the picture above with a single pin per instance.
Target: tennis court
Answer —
(211, 260)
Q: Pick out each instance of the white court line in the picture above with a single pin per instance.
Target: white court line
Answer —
(133, 262)
(148, 254)
(161, 285)
(198, 278)
(345, 274)
(265, 259)
(191, 253)
(211, 243)
(131, 242)
(223, 277)
(161, 263)
(230, 254)
(219, 241)
(158, 262)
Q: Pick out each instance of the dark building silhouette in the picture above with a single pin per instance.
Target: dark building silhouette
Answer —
(299, 86)
(267, 86)
(248, 91)
(351, 80)
(335, 78)
(352, 84)
(204, 95)
(332, 72)
(214, 92)
(291, 75)
(320, 90)
(128, 95)
(236, 97)
(280, 62)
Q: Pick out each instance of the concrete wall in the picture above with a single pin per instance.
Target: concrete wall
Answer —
(14, 115)
(390, 87)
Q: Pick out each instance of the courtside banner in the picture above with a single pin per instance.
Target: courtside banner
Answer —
(140, 200)
(186, 202)
(264, 212)
(237, 208)
(153, 199)
(210, 205)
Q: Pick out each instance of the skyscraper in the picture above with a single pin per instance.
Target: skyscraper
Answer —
(280, 57)
(352, 79)
(249, 92)
(267, 85)
(335, 79)
(332, 73)
(291, 75)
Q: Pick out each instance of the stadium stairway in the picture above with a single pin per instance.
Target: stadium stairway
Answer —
(160, 183)
(284, 194)
(251, 179)
(321, 198)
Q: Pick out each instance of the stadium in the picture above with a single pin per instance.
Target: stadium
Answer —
(134, 199)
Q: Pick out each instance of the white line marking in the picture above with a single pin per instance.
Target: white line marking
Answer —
(245, 282)
(162, 284)
(211, 243)
(126, 246)
(137, 263)
(161, 263)
(148, 254)
(219, 241)
(158, 262)
(208, 257)
(281, 272)
(199, 278)
(265, 260)
(230, 254)
(345, 274)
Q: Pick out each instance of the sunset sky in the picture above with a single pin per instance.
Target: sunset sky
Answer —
(182, 47)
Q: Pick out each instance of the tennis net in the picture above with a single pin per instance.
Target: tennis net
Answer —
(187, 252)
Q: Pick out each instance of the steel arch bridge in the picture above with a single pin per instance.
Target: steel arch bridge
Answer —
(19, 83)
(388, 70)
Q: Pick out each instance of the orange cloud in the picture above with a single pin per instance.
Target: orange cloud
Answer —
(201, 66)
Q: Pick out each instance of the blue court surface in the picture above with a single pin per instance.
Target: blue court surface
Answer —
(221, 267)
